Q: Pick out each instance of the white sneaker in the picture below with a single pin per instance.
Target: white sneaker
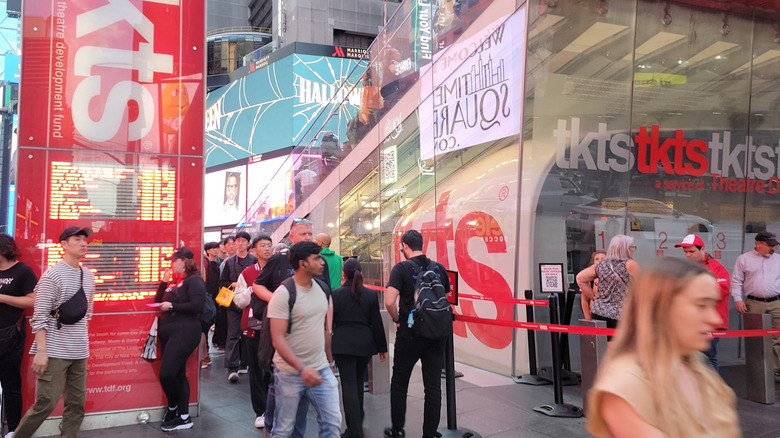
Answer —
(233, 377)
(260, 422)
(243, 370)
(11, 434)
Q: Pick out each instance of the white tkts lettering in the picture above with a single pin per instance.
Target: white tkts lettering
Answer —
(144, 60)
(107, 126)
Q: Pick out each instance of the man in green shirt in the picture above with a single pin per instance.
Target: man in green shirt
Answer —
(334, 260)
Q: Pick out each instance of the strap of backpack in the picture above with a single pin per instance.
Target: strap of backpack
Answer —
(325, 287)
(289, 284)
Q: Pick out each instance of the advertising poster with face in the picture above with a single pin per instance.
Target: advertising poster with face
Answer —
(225, 200)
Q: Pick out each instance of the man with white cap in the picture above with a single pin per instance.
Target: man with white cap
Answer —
(757, 275)
(693, 246)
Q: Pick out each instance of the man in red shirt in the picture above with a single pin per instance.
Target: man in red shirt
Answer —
(693, 246)
(258, 378)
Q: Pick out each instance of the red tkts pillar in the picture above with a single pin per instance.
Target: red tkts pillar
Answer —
(111, 137)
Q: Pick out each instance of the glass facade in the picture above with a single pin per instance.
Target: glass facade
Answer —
(226, 51)
(513, 134)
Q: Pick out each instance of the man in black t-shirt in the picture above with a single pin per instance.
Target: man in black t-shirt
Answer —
(409, 348)
(17, 282)
(234, 265)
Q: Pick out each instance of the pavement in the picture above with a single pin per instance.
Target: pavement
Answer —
(489, 404)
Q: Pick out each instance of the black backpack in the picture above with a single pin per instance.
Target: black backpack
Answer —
(431, 317)
(209, 312)
(265, 350)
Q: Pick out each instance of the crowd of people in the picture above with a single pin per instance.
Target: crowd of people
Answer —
(655, 380)
(300, 317)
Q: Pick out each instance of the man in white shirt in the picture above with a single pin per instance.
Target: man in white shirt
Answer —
(301, 336)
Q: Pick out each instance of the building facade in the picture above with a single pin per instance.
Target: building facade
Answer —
(519, 133)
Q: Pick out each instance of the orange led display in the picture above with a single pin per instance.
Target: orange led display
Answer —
(124, 271)
(102, 192)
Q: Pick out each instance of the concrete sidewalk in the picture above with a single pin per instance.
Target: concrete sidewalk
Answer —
(487, 403)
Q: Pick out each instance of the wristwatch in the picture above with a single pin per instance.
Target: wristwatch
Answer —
(170, 309)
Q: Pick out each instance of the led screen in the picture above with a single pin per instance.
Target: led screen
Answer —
(225, 197)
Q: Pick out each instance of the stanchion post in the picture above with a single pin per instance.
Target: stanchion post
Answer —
(592, 351)
(452, 430)
(558, 409)
(533, 377)
(759, 360)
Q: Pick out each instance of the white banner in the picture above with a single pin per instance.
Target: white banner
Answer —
(482, 100)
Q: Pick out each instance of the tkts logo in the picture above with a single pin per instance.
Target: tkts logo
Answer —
(121, 73)
(722, 157)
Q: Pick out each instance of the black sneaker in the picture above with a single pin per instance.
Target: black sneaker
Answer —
(170, 414)
(177, 423)
(394, 433)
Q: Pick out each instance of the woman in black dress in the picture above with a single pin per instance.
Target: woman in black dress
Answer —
(358, 334)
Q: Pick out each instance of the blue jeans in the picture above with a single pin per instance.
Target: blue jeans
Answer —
(712, 353)
(270, 409)
(324, 397)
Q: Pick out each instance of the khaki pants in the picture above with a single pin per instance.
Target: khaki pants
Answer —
(772, 308)
(62, 377)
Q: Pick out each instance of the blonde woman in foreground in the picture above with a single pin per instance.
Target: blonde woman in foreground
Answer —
(654, 382)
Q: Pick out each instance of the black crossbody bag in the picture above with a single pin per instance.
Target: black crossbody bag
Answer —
(74, 309)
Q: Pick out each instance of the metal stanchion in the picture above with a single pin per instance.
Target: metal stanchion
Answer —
(452, 430)
(533, 377)
(568, 377)
(592, 351)
(557, 409)
(759, 360)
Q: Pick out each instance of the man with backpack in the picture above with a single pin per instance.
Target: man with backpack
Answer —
(276, 270)
(416, 301)
(300, 314)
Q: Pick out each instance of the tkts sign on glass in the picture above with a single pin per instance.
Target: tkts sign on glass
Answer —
(728, 164)
(113, 75)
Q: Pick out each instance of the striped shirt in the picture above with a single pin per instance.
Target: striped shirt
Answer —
(57, 285)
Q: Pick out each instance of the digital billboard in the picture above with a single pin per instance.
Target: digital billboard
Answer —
(270, 188)
(225, 198)
(266, 111)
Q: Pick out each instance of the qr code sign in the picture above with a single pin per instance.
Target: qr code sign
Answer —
(551, 282)
(389, 165)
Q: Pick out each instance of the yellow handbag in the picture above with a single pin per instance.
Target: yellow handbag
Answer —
(225, 297)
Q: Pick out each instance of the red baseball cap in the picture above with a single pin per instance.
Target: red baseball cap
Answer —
(690, 240)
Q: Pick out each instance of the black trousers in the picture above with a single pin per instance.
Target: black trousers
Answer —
(259, 379)
(353, 370)
(408, 350)
(220, 327)
(11, 382)
(177, 340)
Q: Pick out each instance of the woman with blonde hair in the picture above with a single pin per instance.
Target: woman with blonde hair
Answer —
(613, 273)
(654, 381)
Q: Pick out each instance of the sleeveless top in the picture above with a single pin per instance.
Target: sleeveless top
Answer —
(623, 377)
(613, 279)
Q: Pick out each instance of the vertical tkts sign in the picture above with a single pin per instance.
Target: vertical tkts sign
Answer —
(111, 138)
(114, 75)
